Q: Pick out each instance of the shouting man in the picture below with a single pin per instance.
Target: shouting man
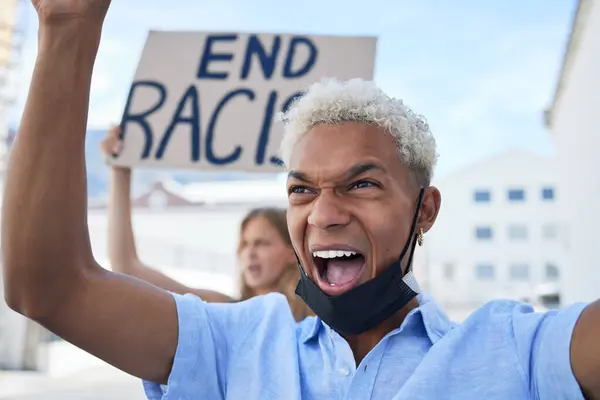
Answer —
(360, 165)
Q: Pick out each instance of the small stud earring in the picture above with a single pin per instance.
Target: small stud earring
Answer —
(420, 237)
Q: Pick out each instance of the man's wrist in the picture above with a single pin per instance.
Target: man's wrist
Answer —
(78, 37)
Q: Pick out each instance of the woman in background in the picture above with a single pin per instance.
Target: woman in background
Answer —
(267, 266)
(264, 252)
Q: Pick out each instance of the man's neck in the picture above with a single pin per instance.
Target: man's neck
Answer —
(362, 344)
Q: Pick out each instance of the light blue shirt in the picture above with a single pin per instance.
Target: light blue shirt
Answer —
(254, 350)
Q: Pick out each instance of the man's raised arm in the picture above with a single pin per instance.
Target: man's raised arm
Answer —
(50, 273)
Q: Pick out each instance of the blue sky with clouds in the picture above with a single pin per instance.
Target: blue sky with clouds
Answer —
(482, 72)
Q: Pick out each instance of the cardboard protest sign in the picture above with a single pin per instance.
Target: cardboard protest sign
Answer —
(208, 100)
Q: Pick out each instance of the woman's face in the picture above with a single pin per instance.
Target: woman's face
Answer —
(263, 255)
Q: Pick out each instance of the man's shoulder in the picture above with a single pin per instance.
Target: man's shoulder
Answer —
(538, 340)
(272, 308)
(498, 331)
(273, 302)
(503, 307)
(515, 319)
(498, 314)
(215, 336)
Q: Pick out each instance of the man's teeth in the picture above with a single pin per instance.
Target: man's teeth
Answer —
(333, 253)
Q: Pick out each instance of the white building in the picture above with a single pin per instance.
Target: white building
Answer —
(574, 124)
(498, 234)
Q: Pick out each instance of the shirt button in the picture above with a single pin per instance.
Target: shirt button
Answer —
(344, 371)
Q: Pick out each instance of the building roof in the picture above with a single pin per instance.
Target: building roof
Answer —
(236, 192)
(577, 27)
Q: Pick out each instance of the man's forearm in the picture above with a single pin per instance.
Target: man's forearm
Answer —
(45, 237)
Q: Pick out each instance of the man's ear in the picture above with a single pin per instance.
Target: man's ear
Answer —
(430, 207)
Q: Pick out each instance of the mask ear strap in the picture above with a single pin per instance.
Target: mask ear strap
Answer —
(412, 235)
(411, 254)
(299, 264)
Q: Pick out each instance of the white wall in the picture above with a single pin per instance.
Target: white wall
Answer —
(19, 337)
(13, 329)
(186, 243)
(452, 239)
(576, 132)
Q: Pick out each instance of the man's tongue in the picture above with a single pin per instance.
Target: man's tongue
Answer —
(340, 271)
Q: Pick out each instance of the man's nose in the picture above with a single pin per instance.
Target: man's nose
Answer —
(328, 212)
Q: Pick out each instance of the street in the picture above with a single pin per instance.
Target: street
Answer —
(120, 390)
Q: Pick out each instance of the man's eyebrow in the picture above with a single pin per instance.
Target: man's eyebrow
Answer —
(355, 171)
(361, 168)
(298, 175)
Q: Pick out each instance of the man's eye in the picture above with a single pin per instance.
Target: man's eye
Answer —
(362, 185)
(299, 190)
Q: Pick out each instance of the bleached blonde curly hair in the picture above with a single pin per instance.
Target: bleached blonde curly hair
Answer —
(333, 102)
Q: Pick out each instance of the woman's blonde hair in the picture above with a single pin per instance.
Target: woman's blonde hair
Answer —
(291, 275)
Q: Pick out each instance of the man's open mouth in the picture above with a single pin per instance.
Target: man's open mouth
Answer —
(338, 268)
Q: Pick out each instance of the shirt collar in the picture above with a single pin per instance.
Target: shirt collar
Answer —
(312, 331)
(436, 322)
(430, 314)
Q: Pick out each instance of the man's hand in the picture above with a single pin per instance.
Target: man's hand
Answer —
(61, 11)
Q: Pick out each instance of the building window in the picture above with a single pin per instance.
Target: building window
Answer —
(485, 272)
(517, 232)
(549, 231)
(482, 196)
(449, 271)
(551, 272)
(548, 194)
(551, 301)
(483, 233)
(516, 195)
(519, 272)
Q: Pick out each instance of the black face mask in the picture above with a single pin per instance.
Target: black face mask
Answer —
(369, 304)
